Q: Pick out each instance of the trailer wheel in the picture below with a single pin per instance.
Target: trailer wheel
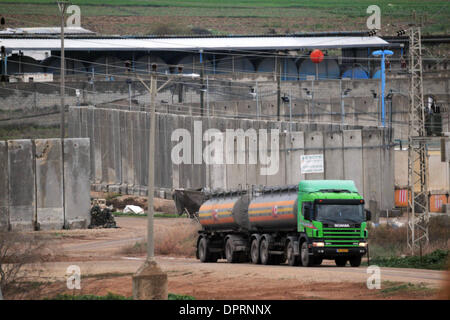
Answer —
(307, 261)
(254, 252)
(292, 259)
(355, 261)
(232, 257)
(203, 252)
(264, 252)
(341, 261)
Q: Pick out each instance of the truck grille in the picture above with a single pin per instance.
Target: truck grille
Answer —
(341, 237)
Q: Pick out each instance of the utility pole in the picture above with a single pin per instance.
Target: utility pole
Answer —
(202, 84)
(290, 110)
(151, 166)
(207, 95)
(62, 5)
(62, 9)
(257, 100)
(278, 71)
(150, 282)
(418, 210)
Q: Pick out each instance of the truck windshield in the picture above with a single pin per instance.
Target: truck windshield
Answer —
(340, 213)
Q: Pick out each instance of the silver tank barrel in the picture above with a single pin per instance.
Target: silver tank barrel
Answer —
(225, 213)
(274, 211)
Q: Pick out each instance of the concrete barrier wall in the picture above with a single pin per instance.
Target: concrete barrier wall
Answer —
(119, 142)
(49, 189)
(4, 185)
(31, 184)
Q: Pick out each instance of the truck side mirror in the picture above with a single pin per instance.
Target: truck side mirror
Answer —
(368, 215)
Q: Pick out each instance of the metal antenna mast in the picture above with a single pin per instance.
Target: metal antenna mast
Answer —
(418, 212)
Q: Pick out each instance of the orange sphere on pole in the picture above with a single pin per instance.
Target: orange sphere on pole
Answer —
(316, 56)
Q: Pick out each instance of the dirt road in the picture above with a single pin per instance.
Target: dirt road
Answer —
(105, 268)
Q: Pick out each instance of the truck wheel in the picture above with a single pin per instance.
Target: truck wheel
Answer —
(340, 261)
(292, 259)
(307, 261)
(232, 257)
(355, 261)
(254, 252)
(264, 252)
(203, 252)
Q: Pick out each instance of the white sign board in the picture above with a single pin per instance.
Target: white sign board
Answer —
(311, 163)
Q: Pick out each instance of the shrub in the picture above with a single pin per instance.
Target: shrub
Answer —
(16, 251)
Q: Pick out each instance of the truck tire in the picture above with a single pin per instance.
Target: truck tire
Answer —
(341, 261)
(292, 259)
(203, 252)
(355, 261)
(307, 261)
(264, 252)
(254, 252)
(230, 254)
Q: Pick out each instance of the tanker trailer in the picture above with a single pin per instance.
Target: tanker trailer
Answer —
(301, 224)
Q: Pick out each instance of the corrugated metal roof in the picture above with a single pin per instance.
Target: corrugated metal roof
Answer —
(45, 31)
(194, 44)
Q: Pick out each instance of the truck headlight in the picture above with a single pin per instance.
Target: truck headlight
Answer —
(363, 244)
(318, 244)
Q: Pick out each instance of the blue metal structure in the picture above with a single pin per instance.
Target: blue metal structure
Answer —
(383, 54)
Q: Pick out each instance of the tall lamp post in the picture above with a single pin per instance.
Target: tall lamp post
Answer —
(383, 54)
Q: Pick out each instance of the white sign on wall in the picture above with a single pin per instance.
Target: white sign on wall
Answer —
(311, 163)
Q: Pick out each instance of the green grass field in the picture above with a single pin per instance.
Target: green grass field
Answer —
(233, 16)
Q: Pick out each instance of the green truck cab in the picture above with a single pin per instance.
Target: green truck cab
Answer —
(332, 222)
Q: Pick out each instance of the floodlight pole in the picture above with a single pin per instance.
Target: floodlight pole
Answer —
(383, 54)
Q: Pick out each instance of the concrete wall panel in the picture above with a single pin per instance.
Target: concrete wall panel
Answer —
(371, 140)
(4, 188)
(21, 185)
(334, 155)
(314, 145)
(353, 164)
(77, 186)
(49, 190)
(294, 142)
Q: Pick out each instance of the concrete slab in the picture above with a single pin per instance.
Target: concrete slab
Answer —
(295, 144)
(353, 165)
(77, 184)
(314, 145)
(21, 185)
(49, 190)
(333, 155)
(371, 141)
